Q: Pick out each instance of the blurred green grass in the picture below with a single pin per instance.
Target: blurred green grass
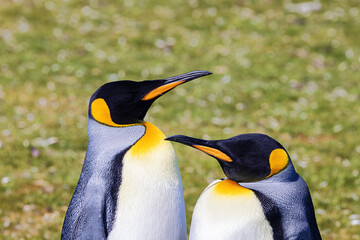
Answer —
(293, 76)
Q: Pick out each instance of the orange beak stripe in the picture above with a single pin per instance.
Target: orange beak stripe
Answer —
(214, 152)
(160, 90)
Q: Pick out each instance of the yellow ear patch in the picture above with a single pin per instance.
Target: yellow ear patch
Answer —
(214, 152)
(229, 187)
(278, 160)
(101, 113)
(157, 91)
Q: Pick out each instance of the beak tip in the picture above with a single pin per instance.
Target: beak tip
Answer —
(187, 77)
(206, 72)
(171, 138)
(202, 73)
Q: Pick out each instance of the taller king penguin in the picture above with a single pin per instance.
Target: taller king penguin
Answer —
(130, 185)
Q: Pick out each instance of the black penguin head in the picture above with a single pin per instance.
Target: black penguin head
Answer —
(243, 158)
(126, 102)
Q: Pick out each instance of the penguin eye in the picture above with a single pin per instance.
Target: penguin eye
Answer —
(127, 97)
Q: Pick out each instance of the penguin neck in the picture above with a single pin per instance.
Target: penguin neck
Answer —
(146, 142)
(97, 130)
(155, 155)
(103, 138)
(286, 175)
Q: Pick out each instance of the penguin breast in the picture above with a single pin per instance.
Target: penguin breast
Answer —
(150, 198)
(228, 211)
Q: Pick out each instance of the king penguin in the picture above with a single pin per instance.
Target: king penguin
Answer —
(262, 197)
(130, 185)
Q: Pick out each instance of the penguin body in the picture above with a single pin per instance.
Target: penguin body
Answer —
(263, 197)
(130, 185)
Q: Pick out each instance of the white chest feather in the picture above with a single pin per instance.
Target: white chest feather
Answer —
(228, 211)
(150, 200)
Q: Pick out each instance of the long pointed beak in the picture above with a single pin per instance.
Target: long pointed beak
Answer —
(172, 82)
(187, 140)
(205, 146)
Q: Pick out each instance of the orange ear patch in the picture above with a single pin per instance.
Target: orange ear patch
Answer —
(214, 152)
(278, 160)
(101, 113)
(160, 90)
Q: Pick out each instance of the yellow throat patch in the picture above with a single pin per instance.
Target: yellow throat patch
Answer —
(152, 137)
(230, 188)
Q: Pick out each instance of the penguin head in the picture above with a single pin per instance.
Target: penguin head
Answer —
(126, 102)
(243, 158)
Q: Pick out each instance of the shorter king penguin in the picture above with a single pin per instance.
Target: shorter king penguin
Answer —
(262, 198)
(130, 185)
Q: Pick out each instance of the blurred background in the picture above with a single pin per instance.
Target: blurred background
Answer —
(289, 69)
